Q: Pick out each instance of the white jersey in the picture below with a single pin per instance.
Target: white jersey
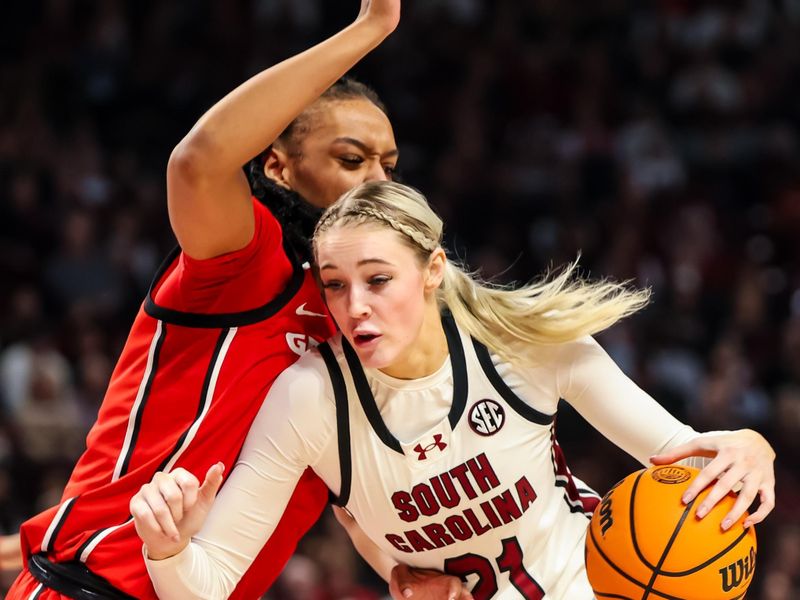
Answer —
(457, 471)
(484, 493)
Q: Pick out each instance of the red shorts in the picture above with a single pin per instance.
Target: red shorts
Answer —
(26, 587)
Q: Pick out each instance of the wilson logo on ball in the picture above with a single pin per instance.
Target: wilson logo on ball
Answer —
(734, 574)
(606, 518)
(486, 417)
(671, 475)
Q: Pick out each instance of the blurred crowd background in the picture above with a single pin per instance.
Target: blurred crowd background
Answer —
(658, 139)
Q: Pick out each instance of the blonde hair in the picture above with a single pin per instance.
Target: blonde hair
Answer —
(553, 309)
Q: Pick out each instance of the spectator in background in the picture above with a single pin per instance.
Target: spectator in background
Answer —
(81, 277)
(50, 424)
(136, 76)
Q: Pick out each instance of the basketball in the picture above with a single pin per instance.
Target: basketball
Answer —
(643, 542)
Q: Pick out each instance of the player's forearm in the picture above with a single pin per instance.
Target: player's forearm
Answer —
(10, 553)
(252, 116)
(380, 562)
(189, 575)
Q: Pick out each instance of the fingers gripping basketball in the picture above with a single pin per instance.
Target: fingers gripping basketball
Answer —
(643, 542)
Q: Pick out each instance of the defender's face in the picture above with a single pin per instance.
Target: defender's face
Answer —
(348, 143)
(375, 290)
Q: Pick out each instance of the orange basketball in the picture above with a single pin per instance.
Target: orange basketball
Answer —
(643, 542)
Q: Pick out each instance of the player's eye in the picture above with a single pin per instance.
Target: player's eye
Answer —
(351, 161)
(379, 280)
(332, 285)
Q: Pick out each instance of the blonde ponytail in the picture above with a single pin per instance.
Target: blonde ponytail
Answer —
(552, 310)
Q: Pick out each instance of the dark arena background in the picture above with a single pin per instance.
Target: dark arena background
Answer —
(658, 139)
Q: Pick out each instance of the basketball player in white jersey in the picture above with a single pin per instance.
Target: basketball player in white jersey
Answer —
(430, 417)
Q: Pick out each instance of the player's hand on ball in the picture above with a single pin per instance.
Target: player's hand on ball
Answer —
(424, 584)
(170, 509)
(741, 459)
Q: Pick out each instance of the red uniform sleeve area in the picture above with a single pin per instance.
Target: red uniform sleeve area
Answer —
(234, 282)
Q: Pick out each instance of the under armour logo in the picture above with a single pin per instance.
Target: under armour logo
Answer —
(437, 443)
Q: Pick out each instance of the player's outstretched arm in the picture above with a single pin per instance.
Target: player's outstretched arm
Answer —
(208, 195)
(635, 422)
(739, 459)
(380, 562)
(172, 508)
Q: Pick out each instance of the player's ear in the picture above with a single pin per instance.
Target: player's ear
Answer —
(434, 271)
(276, 166)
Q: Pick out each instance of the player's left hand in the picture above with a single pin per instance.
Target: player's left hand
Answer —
(740, 458)
(424, 584)
(170, 509)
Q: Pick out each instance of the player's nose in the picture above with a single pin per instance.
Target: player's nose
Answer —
(376, 172)
(357, 306)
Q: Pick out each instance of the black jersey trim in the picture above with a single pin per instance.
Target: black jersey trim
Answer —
(73, 580)
(458, 363)
(523, 409)
(82, 548)
(137, 420)
(61, 520)
(460, 384)
(204, 400)
(201, 408)
(223, 320)
(367, 399)
(342, 424)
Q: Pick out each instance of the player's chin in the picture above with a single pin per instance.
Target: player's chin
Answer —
(374, 354)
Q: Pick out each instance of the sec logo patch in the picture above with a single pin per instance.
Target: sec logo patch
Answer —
(486, 417)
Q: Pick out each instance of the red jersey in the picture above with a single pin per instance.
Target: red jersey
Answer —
(203, 350)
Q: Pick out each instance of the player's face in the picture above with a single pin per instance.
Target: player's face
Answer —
(382, 298)
(348, 143)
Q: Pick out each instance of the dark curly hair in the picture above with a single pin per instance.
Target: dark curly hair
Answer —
(296, 216)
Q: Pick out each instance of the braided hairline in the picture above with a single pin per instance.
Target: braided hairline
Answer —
(415, 236)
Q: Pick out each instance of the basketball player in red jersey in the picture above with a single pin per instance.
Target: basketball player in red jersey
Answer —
(225, 314)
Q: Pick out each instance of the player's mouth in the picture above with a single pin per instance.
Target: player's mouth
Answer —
(364, 339)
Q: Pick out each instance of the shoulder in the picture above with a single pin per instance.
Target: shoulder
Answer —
(557, 366)
(554, 356)
(300, 391)
(305, 379)
(307, 383)
(578, 351)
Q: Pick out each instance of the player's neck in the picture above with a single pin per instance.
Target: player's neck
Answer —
(426, 354)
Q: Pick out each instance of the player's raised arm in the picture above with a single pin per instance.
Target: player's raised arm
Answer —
(208, 194)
